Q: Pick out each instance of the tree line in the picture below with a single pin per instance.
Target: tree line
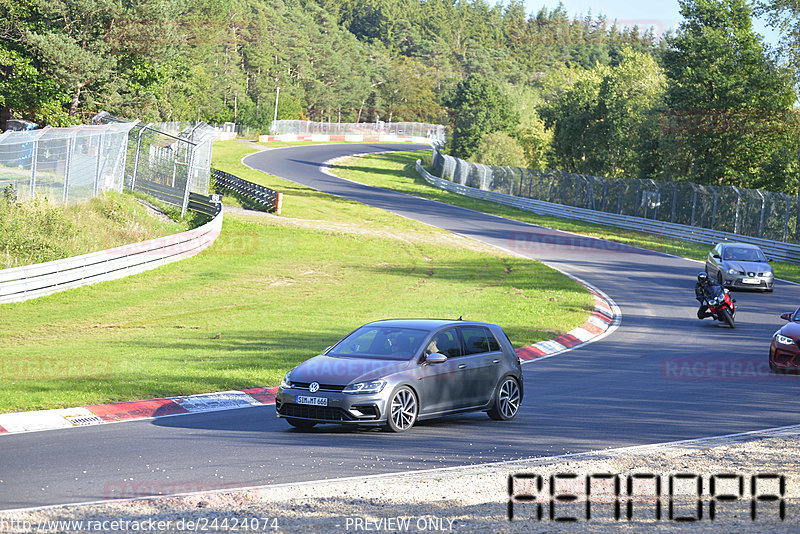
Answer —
(709, 102)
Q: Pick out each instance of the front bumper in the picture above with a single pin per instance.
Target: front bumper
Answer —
(738, 281)
(341, 408)
(786, 357)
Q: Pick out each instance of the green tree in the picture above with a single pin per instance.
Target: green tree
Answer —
(725, 95)
(577, 123)
(499, 149)
(629, 96)
(477, 107)
(409, 91)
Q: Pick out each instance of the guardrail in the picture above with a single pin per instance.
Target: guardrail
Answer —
(774, 249)
(264, 197)
(31, 281)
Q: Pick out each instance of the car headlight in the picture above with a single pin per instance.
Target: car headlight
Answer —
(375, 386)
(286, 381)
(783, 340)
(731, 271)
(769, 274)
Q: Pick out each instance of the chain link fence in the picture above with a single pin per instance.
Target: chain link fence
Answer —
(168, 160)
(66, 165)
(434, 132)
(750, 212)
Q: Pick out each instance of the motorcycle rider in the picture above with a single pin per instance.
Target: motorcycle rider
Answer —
(700, 289)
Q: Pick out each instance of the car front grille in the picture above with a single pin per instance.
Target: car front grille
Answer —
(318, 413)
(322, 387)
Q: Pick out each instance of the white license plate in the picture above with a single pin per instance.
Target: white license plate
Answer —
(313, 401)
(751, 281)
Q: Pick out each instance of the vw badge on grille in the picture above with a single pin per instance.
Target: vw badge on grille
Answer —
(313, 387)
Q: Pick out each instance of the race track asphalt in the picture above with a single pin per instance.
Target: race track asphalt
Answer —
(661, 376)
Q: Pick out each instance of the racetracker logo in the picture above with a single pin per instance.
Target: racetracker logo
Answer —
(548, 240)
(686, 369)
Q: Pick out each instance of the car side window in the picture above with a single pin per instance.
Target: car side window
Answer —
(494, 345)
(478, 340)
(718, 250)
(446, 343)
(475, 341)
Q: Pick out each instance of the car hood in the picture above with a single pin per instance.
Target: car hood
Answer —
(342, 371)
(749, 266)
(791, 330)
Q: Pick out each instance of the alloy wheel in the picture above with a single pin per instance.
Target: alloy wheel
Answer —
(402, 410)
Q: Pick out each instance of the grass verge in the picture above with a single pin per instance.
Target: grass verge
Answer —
(409, 181)
(271, 292)
(36, 231)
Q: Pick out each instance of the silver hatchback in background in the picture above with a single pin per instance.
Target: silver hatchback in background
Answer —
(395, 372)
(740, 265)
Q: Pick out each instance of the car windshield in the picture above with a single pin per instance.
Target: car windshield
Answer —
(381, 342)
(743, 254)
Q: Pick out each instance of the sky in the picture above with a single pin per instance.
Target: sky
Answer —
(662, 15)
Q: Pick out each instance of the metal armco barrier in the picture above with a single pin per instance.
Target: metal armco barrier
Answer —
(267, 198)
(774, 249)
(32, 281)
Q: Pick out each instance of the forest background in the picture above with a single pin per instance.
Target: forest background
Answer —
(709, 102)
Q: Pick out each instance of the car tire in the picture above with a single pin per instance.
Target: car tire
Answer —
(403, 410)
(300, 423)
(720, 281)
(507, 399)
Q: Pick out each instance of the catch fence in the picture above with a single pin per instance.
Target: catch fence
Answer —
(68, 165)
(734, 210)
(168, 160)
(434, 132)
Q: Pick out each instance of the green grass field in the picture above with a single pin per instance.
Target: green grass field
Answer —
(271, 292)
(409, 181)
(37, 231)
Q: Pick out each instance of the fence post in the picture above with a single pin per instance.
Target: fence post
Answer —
(174, 166)
(136, 157)
(738, 209)
(97, 165)
(638, 199)
(763, 207)
(189, 171)
(605, 192)
(68, 166)
(714, 211)
(786, 220)
(34, 163)
(674, 201)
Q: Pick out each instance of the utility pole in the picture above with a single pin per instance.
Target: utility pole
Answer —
(277, 93)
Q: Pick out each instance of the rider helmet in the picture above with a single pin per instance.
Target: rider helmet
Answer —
(702, 278)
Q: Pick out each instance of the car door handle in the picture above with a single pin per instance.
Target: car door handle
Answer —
(496, 360)
(462, 366)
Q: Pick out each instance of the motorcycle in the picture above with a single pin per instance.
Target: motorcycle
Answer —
(721, 305)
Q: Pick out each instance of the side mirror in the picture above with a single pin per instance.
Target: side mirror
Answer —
(435, 357)
(786, 316)
(717, 257)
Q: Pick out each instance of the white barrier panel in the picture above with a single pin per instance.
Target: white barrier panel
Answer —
(23, 283)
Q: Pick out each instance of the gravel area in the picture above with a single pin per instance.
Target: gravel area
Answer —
(475, 499)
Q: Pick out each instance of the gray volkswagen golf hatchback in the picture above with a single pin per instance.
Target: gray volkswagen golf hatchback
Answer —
(395, 372)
